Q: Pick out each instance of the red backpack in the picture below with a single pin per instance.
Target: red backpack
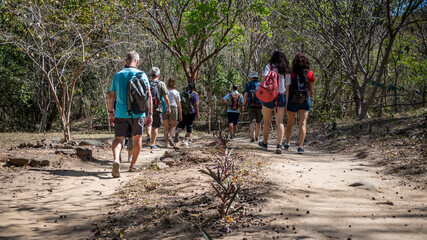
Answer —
(268, 89)
(234, 105)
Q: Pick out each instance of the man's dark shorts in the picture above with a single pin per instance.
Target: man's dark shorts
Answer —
(233, 117)
(157, 119)
(187, 121)
(255, 115)
(125, 127)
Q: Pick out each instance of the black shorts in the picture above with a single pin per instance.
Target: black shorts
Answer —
(125, 127)
(157, 119)
(255, 115)
(233, 117)
(187, 121)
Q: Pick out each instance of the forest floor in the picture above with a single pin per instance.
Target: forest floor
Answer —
(287, 196)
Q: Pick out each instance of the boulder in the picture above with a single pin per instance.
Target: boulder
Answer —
(43, 160)
(20, 160)
(84, 154)
(55, 140)
(364, 184)
(91, 143)
(57, 145)
(66, 151)
(161, 165)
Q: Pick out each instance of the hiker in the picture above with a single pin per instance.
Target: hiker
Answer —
(124, 123)
(254, 106)
(299, 98)
(190, 110)
(280, 65)
(234, 101)
(169, 120)
(159, 93)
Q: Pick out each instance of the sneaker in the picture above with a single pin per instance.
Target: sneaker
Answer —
(148, 142)
(170, 141)
(279, 149)
(133, 168)
(262, 144)
(286, 146)
(300, 150)
(256, 139)
(116, 170)
(252, 140)
(153, 147)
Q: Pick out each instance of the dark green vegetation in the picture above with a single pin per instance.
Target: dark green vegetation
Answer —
(58, 57)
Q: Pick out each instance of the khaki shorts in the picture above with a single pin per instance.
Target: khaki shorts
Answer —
(172, 116)
(255, 115)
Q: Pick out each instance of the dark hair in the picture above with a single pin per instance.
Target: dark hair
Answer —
(171, 83)
(301, 63)
(280, 61)
(235, 87)
(191, 87)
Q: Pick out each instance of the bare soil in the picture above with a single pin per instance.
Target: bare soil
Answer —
(355, 181)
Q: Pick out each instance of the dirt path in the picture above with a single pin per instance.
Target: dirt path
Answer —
(309, 197)
(61, 203)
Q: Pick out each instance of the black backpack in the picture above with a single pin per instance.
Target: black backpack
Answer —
(299, 90)
(186, 103)
(155, 94)
(253, 100)
(138, 99)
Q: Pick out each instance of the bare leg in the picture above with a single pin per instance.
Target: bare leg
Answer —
(172, 127)
(258, 129)
(230, 128)
(117, 147)
(289, 125)
(234, 129)
(303, 115)
(166, 130)
(252, 128)
(137, 145)
(267, 113)
(279, 124)
(154, 132)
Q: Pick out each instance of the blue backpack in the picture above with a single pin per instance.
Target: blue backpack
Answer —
(253, 100)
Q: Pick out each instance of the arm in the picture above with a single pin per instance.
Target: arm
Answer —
(179, 111)
(111, 100)
(196, 104)
(149, 118)
(166, 97)
(287, 96)
(310, 88)
(245, 99)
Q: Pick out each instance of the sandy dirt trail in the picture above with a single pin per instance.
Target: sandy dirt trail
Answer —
(62, 203)
(311, 195)
(310, 199)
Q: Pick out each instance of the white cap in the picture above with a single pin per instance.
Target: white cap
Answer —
(154, 72)
(253, 75)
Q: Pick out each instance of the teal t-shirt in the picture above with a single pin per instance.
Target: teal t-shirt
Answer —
(119, 86)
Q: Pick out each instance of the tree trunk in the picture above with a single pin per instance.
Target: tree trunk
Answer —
(43, 122)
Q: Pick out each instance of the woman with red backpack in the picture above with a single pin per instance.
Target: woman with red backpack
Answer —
(271, 92)
(299, 98)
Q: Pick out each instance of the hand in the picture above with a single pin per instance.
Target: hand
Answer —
(286, 108)
(168, 111)
(111, 119)
(241, 114)
(149, 120)
(180, 117)
(197, 115)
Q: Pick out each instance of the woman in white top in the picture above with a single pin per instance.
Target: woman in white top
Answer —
(169, 120)
(281, 67)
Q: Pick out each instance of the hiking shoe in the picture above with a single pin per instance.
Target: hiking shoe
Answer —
(279, 149)
(170, 141)
(252, 140)
(256, 139)
(262, 144)
(133, 168)
(148, 142)
(153, 147)
(116, 170)
(286, 146)
(300, 150)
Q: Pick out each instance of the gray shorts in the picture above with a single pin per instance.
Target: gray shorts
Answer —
(157, 119)
(172, 116)
(255, 115)
(125, 127)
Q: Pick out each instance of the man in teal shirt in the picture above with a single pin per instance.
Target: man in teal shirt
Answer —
(126, 125)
